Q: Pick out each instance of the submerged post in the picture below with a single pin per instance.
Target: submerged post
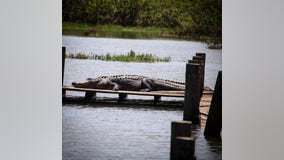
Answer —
(184, 148)
(178, 129)
(214, 121)
(63, 65)
(192, 93)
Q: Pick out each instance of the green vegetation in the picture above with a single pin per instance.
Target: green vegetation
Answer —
(199, 19)
(79, 29)
(130, 57)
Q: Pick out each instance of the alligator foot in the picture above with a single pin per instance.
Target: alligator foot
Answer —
(145, 90)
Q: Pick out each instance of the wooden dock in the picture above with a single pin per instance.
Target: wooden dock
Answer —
(204, 102)
(156, 94)
(204, 107)
(197, 101)
(152, 93)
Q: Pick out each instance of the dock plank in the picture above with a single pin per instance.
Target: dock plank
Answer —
(151, 93)
(204, 109)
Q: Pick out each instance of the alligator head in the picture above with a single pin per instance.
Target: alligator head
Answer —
(96, 84)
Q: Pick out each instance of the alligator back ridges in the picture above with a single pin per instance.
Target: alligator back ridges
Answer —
(171, 84)
(166, 80)
(133, 77)
(150, 83)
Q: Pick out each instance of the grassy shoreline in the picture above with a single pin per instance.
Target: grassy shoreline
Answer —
(117, 31)
(129, 57)
(89, 30)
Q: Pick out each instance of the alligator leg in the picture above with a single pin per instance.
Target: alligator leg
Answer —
(114, 86)
(146, 85)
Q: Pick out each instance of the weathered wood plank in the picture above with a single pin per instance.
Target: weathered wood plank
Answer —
(204, 107)
(152, 93)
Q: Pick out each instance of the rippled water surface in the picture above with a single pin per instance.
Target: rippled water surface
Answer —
(125, 133)
(105, 132)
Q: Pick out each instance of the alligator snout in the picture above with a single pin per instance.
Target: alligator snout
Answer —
(81, 84)
(76, 84)
(86, 84)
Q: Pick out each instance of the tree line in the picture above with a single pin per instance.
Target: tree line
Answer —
(186, 17)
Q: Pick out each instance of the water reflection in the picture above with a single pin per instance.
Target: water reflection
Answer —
(100, 132)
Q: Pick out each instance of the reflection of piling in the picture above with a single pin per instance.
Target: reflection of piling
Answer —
(182, 143)
(192, 93)
(63, 66)
(214, 121)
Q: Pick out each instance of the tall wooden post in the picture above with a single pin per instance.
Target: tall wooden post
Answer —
(198, 61)
(192, 93)
(178, 129)
(193, 61)
(202, 59)
(214, 121)
(63, 61)
(203, 55)
(63, 65)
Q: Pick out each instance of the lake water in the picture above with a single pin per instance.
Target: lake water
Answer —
(123, 132)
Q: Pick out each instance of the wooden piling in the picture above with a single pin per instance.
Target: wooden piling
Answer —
(157, 99)
(63, 66)
(184, 148)
(192, 93)
(197, 60)
(89, 95)
(214, 120)
(193, 61)
(201, 58)
(178, 129)
(203, 55)
(122, 97)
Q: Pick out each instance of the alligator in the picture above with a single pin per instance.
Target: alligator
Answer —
(130, 83)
